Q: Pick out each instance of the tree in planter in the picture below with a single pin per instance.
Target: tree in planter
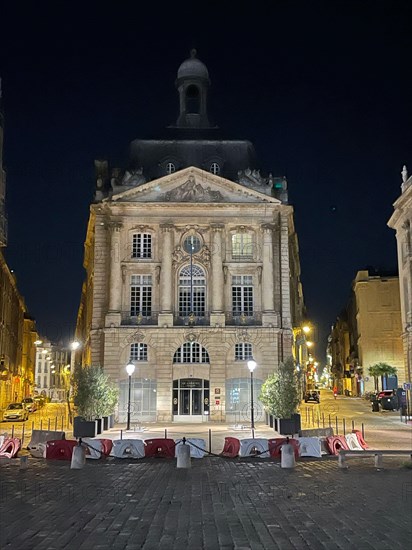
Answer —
(94, 395)
(280, 392)
(381, 369)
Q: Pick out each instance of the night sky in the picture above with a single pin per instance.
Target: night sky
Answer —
(322, 89)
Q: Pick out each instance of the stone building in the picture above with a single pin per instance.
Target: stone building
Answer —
(17, 329)
(52, 371)
(192, 268)
(401, 221)
(378, 322)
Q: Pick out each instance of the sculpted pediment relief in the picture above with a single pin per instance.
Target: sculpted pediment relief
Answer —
(192, 185)
(191, 191)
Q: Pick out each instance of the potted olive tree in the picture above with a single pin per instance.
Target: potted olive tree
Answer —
(94, 397)
(280, 396)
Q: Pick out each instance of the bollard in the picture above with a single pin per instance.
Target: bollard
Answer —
(78, 457)
(330, 425)
(62, 421)
(121, 434)
(183, 455)
(323, 420)
(55, 424)
(287, 455)
(210, 440)
(337, 425)
(32, 425)
(48, 425)
(12, 431)
(24, 462)
(41, 424)
(363, 431)
(22, 435)
(344, 426)
(166, 433)
(353, 425)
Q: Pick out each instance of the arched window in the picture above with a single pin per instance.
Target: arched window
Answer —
(192, 291)
(191, 352)
(170, 168)
(192, 99)
(215, 168)
(138, 352)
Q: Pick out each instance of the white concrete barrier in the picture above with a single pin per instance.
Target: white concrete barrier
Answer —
(353, 442)
(128, 448)
(93, 447)
(310, 446)
(254, 447)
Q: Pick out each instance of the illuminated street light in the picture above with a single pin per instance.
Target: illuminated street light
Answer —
(251, 366)
(38, 342)
(130, 370)
(306, 329)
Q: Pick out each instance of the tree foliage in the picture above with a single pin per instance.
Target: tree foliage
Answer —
(280, 392)
(381, 369)
(94, 394)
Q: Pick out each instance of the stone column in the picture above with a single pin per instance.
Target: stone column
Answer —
(267, 270)
(217, 270)
(166, 270)
(115, 289)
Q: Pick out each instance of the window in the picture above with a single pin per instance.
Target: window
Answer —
(39, 381)
(141, 295)
(242, 295)
(192, 291)
(192, 244)
(39, 367)
(243, 351)
(242, 246)
(45, 367)
(215, 168)
(191, 352)
(192, 99)
(138, 352)
(238, 392)
(170, 168)
(143, 400)
(142, 245)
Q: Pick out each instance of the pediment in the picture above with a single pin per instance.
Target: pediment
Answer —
(192, 185)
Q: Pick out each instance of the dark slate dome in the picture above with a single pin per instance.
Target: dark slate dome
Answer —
(193, 68)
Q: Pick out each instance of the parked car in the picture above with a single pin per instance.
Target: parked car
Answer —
(16, 411)
(385, 393)
(312, 396)
(30, 404)
(39, 400)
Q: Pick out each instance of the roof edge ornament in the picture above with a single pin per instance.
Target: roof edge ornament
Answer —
(404, 173)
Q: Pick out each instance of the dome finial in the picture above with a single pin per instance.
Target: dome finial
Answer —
(193, 53)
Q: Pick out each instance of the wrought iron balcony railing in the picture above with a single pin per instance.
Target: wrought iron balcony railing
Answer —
(139, 318)
(193, 319)
(243, 318)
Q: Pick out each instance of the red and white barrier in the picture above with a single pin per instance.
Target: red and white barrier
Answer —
(231, 447)
(254, 447)
(336, 443)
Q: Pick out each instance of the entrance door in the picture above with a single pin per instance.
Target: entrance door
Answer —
(190, 399)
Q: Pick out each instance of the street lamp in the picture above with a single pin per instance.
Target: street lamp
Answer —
(251, 366)
(130, 370)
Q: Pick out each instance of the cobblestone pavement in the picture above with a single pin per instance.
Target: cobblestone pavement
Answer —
(217, 504)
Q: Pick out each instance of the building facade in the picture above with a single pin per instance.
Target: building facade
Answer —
(192, 268)
(378, 323)
(17, 329)
(401, 221)
(52, 371)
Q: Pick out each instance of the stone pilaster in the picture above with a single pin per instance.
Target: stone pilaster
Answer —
(217, 269)
(166, 291)
(285, 269)
(267, 270)
(115, 290)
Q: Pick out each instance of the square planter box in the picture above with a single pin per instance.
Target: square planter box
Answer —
(84, 428)
(288, 426)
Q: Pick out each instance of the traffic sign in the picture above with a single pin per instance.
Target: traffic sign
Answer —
(407, 386)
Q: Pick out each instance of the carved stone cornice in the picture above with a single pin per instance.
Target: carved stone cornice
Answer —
(167, 227)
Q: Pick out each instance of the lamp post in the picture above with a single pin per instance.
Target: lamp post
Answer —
(130, 370)
(251, 366)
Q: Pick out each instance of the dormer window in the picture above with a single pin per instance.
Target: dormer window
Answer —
(215, 168)
(170, 168)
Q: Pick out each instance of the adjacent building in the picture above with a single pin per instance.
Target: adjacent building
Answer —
(17, 329)
(192, 268)
(401, 221)
(52, 371)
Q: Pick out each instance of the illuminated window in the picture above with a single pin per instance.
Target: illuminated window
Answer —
(138, 352)
(192, 291)
(141, 295)
(191, 352)
(242, 295)
(242, 246)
